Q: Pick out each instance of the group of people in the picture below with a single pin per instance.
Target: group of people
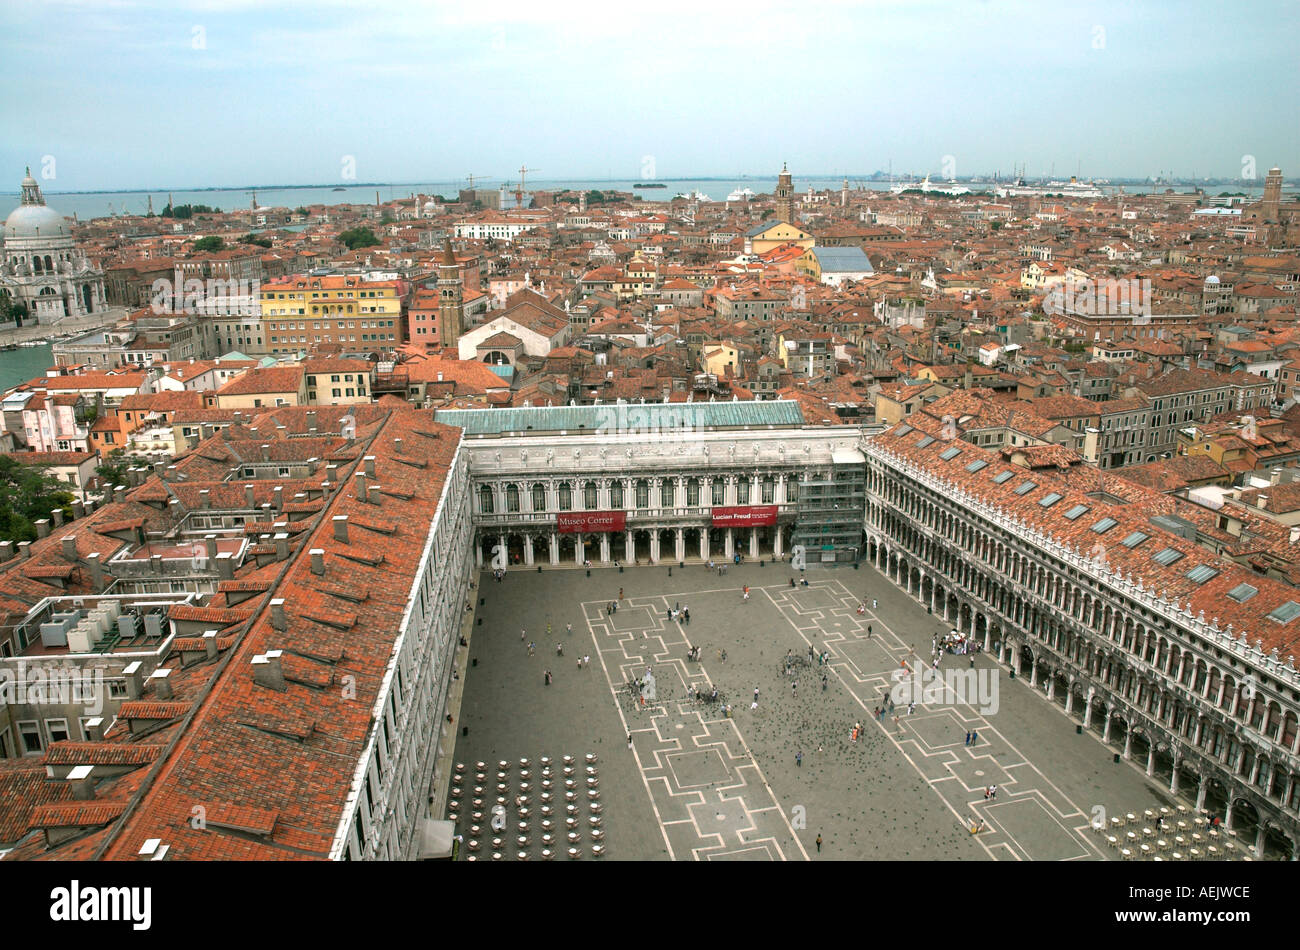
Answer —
(693, 654)
(679, 612)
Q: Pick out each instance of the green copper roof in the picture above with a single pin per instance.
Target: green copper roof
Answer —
(625, 418)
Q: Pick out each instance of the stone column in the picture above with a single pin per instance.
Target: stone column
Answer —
(778, 549)
(555, 549)
(704, 544)
(478, 552)
(1151, 760)
(579, 550)
(528, 550)
(629, 546)
(1227, 812)
(729, 548)
(1128, 741)
(1173, 781)
(681, 544)
(654, 546)
(1069, 698)
(1200, 793)
(604, 547)
(1105, 735)
(753, 542)
(1259, 841)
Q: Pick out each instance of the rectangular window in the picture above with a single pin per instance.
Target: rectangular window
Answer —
(1024, 488)
(1078, 511)
(949, 454)
(1134, 539)
(57, 729)
(1243, 592)
(1286, 613)
(1003, 477)
(1104, 525)
(1202, 573)
(30, 734)
(1048, 500)
(1167, 556)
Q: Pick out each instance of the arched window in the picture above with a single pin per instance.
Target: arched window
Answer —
(566, 497)
(485, 500)
(792, 489)
(693, 492)
(512, 498)
(36, 263)
(742, 491)
(667, 494)
(719, 491)
(643, 494)
(539, 497)
(769, 490)
(590, 499)
(49, 264)
(616, 495)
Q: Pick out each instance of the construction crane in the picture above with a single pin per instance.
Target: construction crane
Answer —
(471, 178)
(519, 192)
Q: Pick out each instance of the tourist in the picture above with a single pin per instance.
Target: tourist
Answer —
(794, 687)
(824, 681)
(522, 635)
(548, 678)
(620, 593)
(559, 649)
(911, 708)
(974, 736)
(798, 759)
(873, 603)
(819, 843)
(531, 645)
(686, 615)
(629, 740)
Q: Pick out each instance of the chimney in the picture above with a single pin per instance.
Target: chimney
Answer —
(57, 517)
(6, 550)
(43, 528)
(160, 678)
(70, 548)
(311, 421)
(82, 781)
(24, 549)
(119, 494)
(205, 498)
(155, 563)
(277, 497)
(210, 545)
(96, 571)
(159, 467)
(210, 644)
(95, 729)
(225, 566)
(169, 473)
(153, 848)
(266, 452)
(249, 498)
(174, 508)
(281, 547)
(267, 671)
(362, 493)
(278, 619)
(340, 528)
(134, 678)
(397, 446)
(78, 510)
(370, 465)
(317, 561)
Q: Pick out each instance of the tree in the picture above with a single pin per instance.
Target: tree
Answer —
(27, 494)
(113, 469)
(302, 211)
(210, 243)
(358, 237)
(251, 238)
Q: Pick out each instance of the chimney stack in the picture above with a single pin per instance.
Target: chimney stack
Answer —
(266, 452)
(370, 465)
(397, 446)
(95, 729)
(279, 621)
(70, 548)
(210, 644)
(205, 498)
(24, 549)
(174, 508)
(210, 545)
(282, 547)
(43, 528)
(155, 563)
(6, 550)
(96, 571)
(341, 528)
(317, 561)
(78, 509)
(311, 421)
(82, 780)
(134, 677)
(57, 517)
(277, 497)
(119, 494)
(267, 671)
(160, 678)
(225, 566)
(249, 498)
(362, 493)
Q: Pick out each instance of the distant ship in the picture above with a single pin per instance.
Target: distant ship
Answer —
(925, 187)
(1071, 189)
(740, 194)
(653, 184)
(340, 189)
(693, 196)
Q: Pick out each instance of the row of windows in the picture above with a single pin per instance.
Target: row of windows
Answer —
(641, 493)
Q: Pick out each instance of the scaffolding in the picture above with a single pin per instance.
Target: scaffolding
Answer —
(831, 513)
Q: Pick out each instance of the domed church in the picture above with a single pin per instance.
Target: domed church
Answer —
(42, 268)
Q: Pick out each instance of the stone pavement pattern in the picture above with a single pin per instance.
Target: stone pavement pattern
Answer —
(699, 785)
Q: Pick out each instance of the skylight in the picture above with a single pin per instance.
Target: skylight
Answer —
(1202, 573)
(927, 440)
(1286, 613)
(976, 465)
(1104, 525)
(948, 454)
(999, 479)
(1048, 500)
(1024, 488)
(1242, 593)
(903, 430)
(1134, 539)
(1078, 511)
(1167, 556)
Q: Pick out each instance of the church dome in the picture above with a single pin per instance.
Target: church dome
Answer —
(33, 218)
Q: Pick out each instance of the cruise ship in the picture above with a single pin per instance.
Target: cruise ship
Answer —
(925, 186)
(741, 194)
(1066, 189)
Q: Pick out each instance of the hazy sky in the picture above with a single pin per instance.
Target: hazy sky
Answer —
(176, 93)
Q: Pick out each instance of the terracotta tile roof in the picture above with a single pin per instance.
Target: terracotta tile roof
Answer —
(75, 814)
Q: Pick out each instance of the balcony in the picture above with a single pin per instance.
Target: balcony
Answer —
(395, 382)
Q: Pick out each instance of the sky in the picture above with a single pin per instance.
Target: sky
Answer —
(121, 94)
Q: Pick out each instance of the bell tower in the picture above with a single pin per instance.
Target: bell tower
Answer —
(784, 196)
(450, 298)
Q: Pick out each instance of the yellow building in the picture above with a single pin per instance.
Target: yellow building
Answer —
(301, 312)
(768, 235)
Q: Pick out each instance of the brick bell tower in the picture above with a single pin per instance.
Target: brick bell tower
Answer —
(450, 298)
(784, 196)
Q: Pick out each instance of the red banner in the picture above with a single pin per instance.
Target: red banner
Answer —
(758, 516)
(584, 522)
